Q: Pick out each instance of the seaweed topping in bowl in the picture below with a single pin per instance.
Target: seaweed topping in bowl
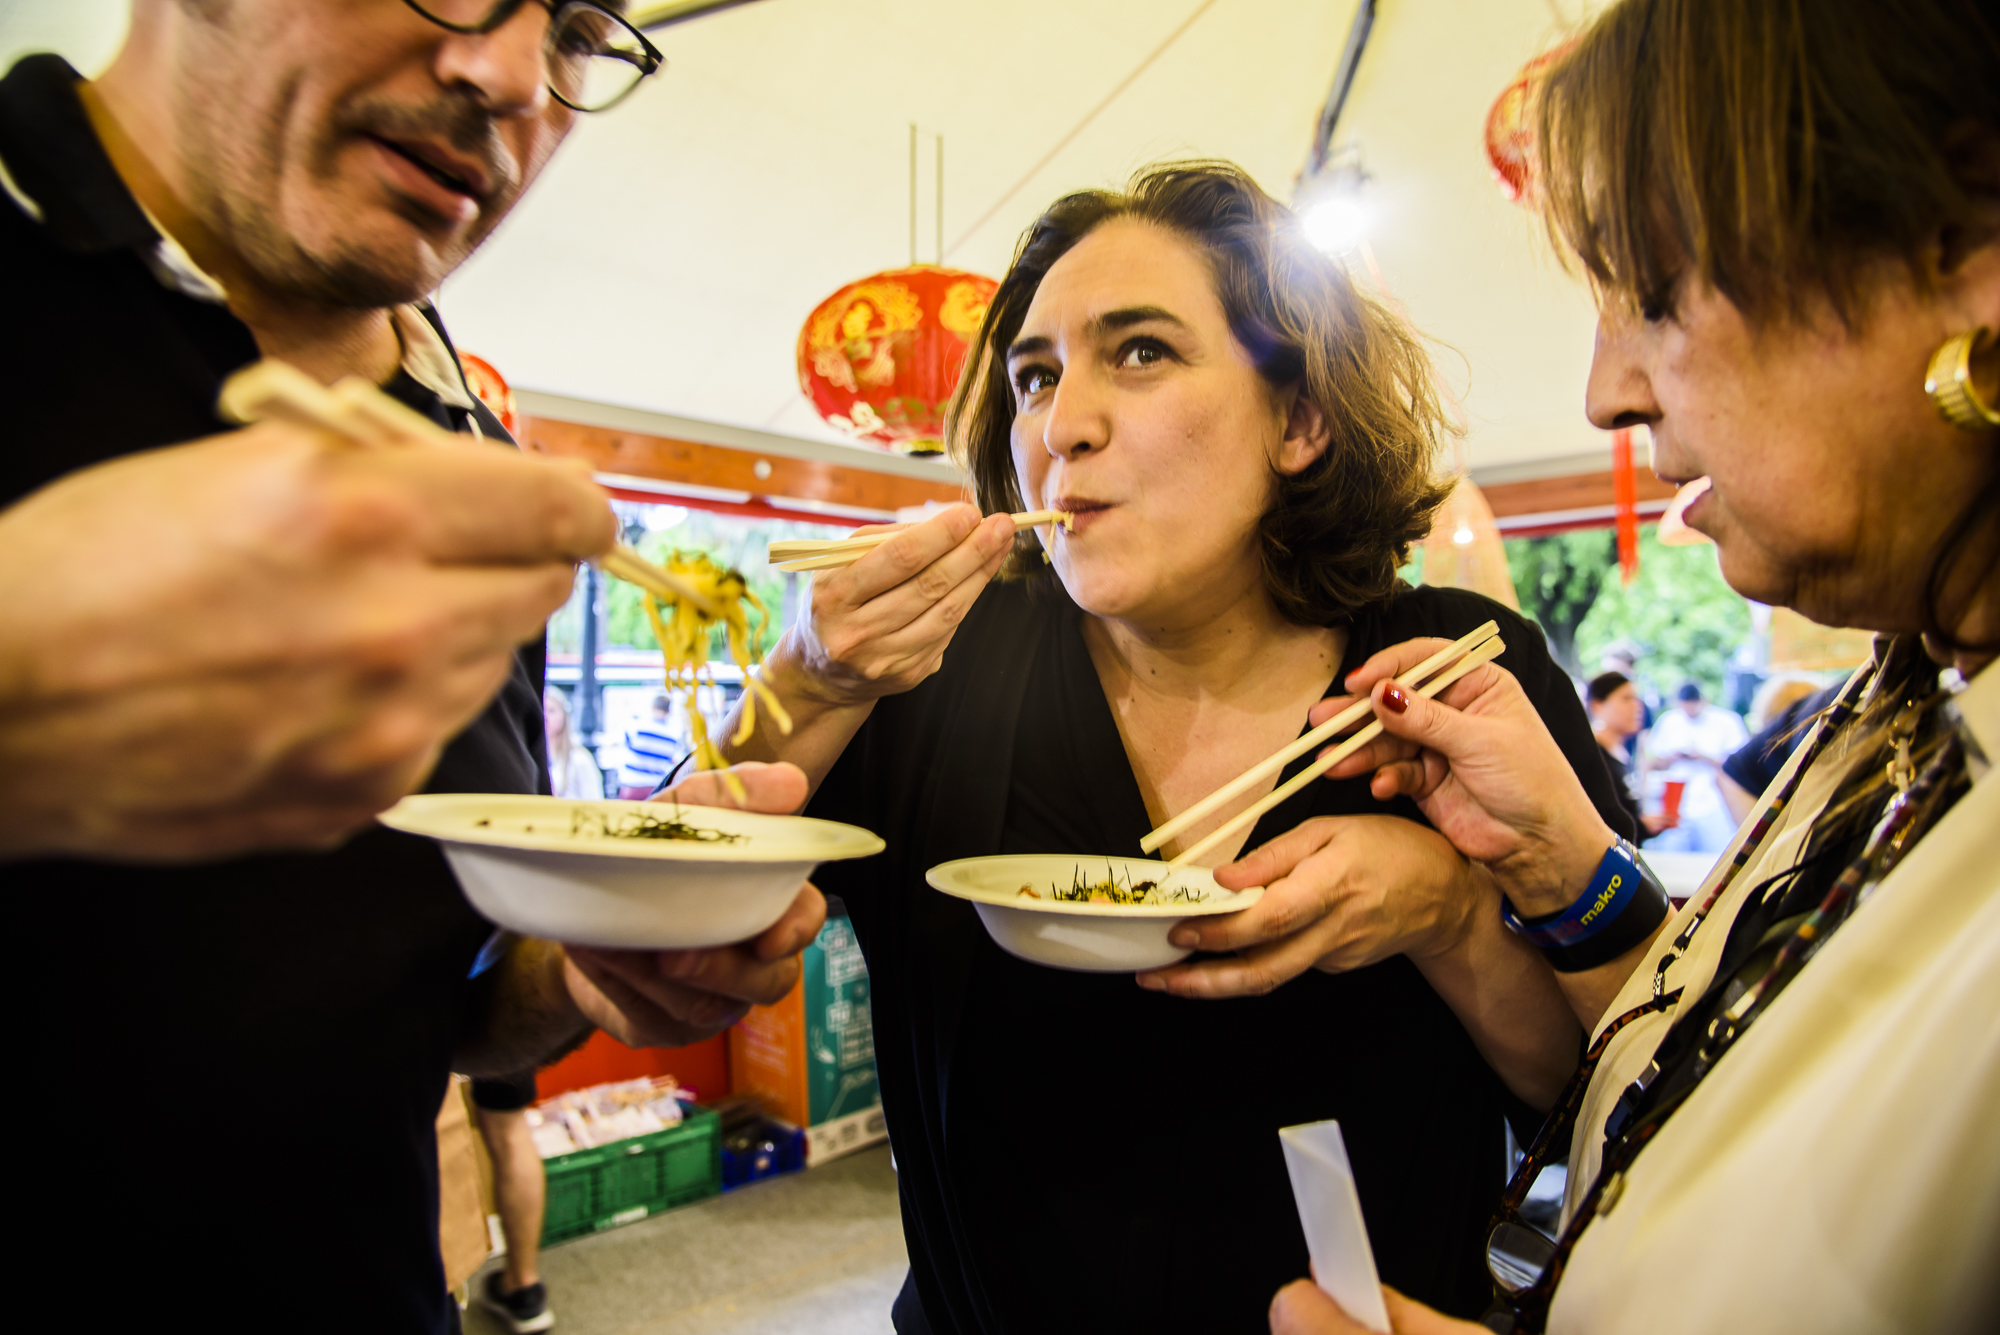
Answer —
(1115, 888)
(644, 825)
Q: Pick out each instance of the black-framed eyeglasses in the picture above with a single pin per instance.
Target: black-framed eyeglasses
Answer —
(594, 57)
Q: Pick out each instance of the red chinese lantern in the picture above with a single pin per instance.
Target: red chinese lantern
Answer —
(880, 358)
(491, 389)
(1625, 504)
(1509, 142)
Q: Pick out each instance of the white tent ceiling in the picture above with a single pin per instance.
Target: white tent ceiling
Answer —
(676, 244)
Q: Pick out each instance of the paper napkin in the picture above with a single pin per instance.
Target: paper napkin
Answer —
(1330, 1211)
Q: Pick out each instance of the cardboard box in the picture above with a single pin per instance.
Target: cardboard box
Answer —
(811, 1058)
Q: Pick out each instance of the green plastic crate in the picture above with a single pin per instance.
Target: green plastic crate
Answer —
(630, 1179)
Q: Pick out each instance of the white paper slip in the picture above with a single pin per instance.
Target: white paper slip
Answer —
(1330, 1212)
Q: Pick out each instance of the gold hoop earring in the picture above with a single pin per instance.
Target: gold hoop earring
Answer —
(1949, 383)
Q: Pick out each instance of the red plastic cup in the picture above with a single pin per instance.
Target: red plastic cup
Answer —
(1670, 804)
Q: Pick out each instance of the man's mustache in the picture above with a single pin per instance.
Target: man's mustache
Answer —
(456, 122)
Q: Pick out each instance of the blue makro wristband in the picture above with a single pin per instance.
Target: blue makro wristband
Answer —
(1611, 892)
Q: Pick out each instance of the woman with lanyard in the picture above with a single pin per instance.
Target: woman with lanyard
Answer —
(1786, 1117)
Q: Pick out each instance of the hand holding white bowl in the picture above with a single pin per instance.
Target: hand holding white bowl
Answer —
(670, 998)
(1340, 892)
(1481, 765)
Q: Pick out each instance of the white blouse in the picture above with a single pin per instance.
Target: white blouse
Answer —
(1839, 1170)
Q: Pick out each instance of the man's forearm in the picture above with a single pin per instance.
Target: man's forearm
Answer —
(530, 1018)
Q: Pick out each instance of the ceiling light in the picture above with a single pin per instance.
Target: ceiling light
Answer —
(1335, 225)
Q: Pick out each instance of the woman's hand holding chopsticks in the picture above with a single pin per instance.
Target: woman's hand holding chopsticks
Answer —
(880, 626)
(1345, 892)
(874, 628)
(1481, 765)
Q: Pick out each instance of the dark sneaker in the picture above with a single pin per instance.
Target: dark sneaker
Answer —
(524, 1311)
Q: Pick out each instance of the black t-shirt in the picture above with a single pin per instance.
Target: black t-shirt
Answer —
(1076, 1153)
(235, 1068)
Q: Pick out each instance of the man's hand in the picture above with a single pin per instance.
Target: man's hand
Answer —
(262, 639)
(1340, 892)
(670, 998)
(1301, 1308)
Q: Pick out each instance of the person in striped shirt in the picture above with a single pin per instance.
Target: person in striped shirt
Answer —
(652, 749)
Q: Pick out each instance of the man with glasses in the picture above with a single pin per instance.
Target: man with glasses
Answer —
(242, 644)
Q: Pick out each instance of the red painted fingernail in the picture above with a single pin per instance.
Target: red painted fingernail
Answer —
(1394, 699)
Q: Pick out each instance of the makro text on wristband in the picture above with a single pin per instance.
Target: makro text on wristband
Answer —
(1624, 905)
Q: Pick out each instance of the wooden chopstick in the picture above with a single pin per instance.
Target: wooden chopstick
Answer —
(360, 413)
(794, 554)
(272, 390)
(1249, 816)
(791, 550)
(626, 563)
(1313, 740)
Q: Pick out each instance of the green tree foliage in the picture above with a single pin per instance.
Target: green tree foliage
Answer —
(1558, 580)
(1679, 610)
(738, 543)
(1687, 621)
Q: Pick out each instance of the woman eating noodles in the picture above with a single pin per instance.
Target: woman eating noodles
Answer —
(1245, 444)
(1787, 1120)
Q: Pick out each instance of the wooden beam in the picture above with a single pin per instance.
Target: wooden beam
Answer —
(1578, 491)
(769, 476)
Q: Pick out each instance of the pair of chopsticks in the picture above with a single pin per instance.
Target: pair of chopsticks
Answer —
(356, 410)
(807, 554)
(1449, 664)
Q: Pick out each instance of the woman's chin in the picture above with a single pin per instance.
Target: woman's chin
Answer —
(1758, 576)
(1101, 592)
(1747, 567)
(1760, 583)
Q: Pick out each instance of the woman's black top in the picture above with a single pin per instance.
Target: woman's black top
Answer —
(1076, 1153)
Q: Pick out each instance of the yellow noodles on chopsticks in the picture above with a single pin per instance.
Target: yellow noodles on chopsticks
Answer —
(683, 628)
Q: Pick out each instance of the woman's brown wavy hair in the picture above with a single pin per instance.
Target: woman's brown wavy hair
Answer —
(1335, 532)
(1778, 150)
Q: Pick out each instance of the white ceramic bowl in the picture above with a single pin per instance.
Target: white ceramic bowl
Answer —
(522, 866)
(1090, 938)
